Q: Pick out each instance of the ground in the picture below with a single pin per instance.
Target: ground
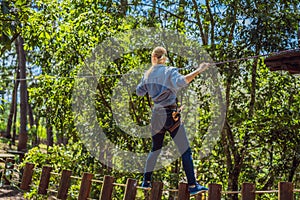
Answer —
(8, 192)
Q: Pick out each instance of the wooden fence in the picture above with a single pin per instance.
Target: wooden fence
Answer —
(285, 189)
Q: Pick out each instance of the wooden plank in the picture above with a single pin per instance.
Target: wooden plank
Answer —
(130, 191)
(19, 153)
(285, 191)
(285, 55)
(248, 191)
(85, 186)
(156, 191)
(44, 180)
(289, 63)
(214, 191)
(64, 184)
(6, 155)
(107, 188)
(27, 176)
(16, 152)
(282, 64)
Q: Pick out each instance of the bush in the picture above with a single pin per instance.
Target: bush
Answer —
(72, 157)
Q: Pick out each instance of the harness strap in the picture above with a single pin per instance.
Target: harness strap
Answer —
(176, 118)
(176, 125)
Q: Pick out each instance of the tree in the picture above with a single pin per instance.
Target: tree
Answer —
(11, 32)
(23, 135)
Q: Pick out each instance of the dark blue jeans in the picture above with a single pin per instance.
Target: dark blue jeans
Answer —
(161, 122)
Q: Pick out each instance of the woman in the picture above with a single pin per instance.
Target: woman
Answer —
(162, 84)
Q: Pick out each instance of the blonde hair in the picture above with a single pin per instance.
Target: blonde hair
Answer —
(160, 53)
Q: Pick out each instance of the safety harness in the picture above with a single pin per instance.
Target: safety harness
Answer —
(175, 114)
(176, 117)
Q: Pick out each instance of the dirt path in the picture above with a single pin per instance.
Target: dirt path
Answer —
(8, 192)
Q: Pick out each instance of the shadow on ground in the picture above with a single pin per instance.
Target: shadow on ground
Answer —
(9, 192)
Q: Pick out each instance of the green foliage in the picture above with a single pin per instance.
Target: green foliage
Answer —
(13, 14)
(70, 157)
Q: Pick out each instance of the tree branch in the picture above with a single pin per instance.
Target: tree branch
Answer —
(212, 21)
(167, 11)
(11, 41)
(204, 39)
(230, 37)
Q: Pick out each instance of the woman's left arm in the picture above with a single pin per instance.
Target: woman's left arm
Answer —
(202, 67)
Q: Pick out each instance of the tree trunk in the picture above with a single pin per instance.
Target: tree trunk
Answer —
(35, 136)
(293, 168)
(152, 19)
(233, 155)
(12, 107)
(60, 134)
(253, 87)
(49, 133)
(199, 23)
(234, 177)
(13, 140)
(23, 135)
(30, 113)
(33, 130)
(124, 5)
(60, 139)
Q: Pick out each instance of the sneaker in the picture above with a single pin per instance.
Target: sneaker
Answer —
(146, 185)
(197, 189)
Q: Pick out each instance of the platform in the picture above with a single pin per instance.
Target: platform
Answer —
(286, 61)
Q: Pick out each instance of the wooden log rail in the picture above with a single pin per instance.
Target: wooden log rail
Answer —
(248, 192)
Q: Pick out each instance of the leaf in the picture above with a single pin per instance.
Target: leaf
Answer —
(21, 2)
(47, 35)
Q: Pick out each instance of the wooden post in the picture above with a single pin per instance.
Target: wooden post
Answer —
(214, 191)
(199, 196)
(85, 186)
(44, 180)
(183, 193)
(27, 176)
(130, 191)
(9, 165)
(248, 191)
(107, 188)
(285, 191)
(156, 191)
(64, 184)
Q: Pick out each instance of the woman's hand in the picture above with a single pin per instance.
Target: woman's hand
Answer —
(203, 66)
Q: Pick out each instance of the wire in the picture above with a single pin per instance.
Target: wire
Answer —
(249, 57)
(185, 68)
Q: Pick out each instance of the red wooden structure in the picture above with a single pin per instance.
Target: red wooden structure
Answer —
(287, 61)
(248, 191)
